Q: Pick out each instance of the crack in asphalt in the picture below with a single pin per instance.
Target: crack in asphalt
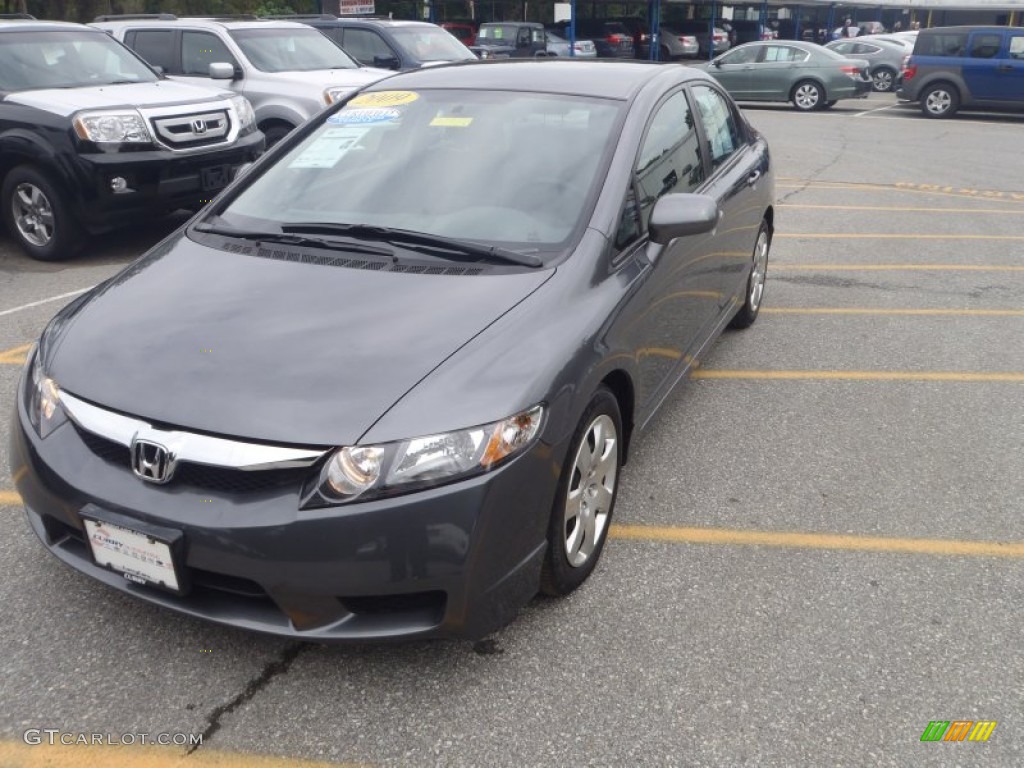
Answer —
(816, 174)
(273, 669)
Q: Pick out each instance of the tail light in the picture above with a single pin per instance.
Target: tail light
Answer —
(852, 71)
(615, 39)
(687, 39)
(909, 70)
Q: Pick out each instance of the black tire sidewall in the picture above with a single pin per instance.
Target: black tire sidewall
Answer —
(67, 234)
(558, 576)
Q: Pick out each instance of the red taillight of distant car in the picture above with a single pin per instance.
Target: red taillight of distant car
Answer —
(909, 70)
(687, 39)
(615, 39)
(852, 71)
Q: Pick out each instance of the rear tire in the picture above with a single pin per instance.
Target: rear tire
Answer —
(940, 100)
(883, 79)
(755, 283)
(585, 498)
(807, 95)
(38, 216)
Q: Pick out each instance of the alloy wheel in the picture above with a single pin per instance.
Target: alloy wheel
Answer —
(33, 214)
(759, 272)
(882, 80)
(591, 490)
(938, 102)
(807, 96)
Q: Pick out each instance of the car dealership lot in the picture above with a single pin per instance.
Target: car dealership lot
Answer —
(818, 543)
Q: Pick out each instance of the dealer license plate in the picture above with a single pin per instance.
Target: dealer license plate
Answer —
(136, 556)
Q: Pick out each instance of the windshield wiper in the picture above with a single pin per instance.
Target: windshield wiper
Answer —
(296, 239)
(410, 239)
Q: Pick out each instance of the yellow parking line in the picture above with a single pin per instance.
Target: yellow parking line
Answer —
(989, 196)
(10, 499)
(17, 755)
(683, 535)
(886, 236)
(898, 267)
(889, 209)
(958, 376)
(883, 311)
(15, 355)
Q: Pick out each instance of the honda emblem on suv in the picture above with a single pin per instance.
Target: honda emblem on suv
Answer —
(151, 461)
(198, 126)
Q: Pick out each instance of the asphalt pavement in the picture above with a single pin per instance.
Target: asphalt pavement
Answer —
(819, 546)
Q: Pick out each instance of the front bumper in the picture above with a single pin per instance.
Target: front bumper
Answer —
(158, 181)
(456, 561)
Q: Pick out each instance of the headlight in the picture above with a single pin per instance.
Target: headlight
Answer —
(377, 470)
(43, 396)
(246, 117)
(336, 94)
(121, 127)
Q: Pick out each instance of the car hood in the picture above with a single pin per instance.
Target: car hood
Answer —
(162, 93)
(283, 351)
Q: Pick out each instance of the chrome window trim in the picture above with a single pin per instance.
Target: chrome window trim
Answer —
(187, 446)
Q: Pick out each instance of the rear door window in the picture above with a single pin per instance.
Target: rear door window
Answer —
(985, 45)
(942, 44)
(156, 46)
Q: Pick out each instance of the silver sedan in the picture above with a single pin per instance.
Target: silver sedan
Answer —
(807, 74)
(884, 58)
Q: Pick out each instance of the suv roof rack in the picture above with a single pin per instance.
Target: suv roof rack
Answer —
(135, 16)
(29, 16)
(322, 16)
(226, 17)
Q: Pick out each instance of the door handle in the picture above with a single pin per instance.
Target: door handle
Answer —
(753, 177)
(1004, 68)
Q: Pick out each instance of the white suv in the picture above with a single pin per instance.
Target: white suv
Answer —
(288, 71)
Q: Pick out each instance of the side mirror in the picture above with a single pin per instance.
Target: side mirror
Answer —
(158, 69)
(387, 62)
(221, 70)
(681, 214)
(717, 62)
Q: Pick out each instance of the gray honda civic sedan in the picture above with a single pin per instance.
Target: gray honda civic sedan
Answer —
(385, 384)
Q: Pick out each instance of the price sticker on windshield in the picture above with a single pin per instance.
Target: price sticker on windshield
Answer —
(384, 99)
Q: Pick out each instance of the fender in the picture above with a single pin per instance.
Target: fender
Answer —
(18, 146)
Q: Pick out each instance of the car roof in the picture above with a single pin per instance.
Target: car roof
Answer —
(6, 25)
(601, 78)
(370, 21)
(207, 22)
(965, 28)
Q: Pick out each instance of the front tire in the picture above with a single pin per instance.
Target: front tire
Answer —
(585, 497)
(755, 283)
(940, 100)
(274, 132)
(38, 216)
(807, 95)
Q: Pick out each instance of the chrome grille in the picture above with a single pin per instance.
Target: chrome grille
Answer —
(182, 131)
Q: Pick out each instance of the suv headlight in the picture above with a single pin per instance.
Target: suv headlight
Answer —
(42, 397)
(246, 117)
(120, 127)
(336, 93)
(368, 471)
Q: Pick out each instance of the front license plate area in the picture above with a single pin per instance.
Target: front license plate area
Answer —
(215, 177)
(139, 556)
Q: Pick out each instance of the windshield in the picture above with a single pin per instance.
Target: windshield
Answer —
(66, 59)
(291, 49)
(513, 170)
(430, 43)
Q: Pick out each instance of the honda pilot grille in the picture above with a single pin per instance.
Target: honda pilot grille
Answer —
(197, 130)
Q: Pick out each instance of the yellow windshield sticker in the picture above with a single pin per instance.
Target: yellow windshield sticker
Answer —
(384, 99)
(451, 122)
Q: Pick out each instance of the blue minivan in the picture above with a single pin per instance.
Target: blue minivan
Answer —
(955, 68)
